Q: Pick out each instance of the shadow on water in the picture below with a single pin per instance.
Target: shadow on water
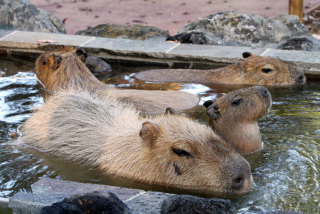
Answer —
(286, 172)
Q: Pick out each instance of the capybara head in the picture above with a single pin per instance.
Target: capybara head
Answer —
(259, 70)
(64, 69)
(234, 116)
(190, 155)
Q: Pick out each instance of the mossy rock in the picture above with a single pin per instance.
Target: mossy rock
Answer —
(140, 32)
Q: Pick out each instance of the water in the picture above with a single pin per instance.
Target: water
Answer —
(285, 172)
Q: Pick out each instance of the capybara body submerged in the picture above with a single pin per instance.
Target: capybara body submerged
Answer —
(251, 70)
(64, 69)
(167, 149)
(234, 117)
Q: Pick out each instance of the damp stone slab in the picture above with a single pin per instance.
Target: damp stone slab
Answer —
(152, 47)
(4, 33)
(47, 191)
(24, 39)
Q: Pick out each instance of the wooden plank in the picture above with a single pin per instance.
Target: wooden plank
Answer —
(296, 8)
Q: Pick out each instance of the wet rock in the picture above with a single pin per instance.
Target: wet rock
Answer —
(231, 28)
(22, 15)
(186, 204)
(88, 203)
(98, 67)
(124, 31)
(302, 44)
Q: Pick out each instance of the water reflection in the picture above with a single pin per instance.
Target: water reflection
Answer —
(286, 172)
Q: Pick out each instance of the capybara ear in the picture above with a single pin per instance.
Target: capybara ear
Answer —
(207, 103)
(57, 61)
(82, 54)
(246, 54)
(149, 132)
(213, 111)
(170, 110)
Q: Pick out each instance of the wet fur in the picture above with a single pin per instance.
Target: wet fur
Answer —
(64, 70)
(238, 124)
(248, 71)
(102, 132)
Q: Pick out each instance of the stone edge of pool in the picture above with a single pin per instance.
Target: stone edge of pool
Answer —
(150, 52)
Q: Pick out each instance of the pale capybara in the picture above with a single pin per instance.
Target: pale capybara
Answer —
(234, 117)
(64, 69)
(251, 70)
(166, 149)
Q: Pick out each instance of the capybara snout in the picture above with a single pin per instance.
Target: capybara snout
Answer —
(241, 178)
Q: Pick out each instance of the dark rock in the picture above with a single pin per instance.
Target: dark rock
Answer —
(186, 204)
(124, 31)
(297, 43)
(192, 37)
(22, 15)
(88, 203)
(98, 67)
(230, 28)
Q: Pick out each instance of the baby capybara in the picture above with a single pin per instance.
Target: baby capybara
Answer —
(234, 117)
(251, 70)
(167, 149)
(64, 69)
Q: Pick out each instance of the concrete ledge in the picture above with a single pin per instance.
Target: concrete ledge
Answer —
(151, 52)
(48, 191)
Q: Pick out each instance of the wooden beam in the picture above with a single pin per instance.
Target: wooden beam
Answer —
(296, 8)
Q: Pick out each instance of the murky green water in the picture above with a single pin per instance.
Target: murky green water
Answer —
(285, 172)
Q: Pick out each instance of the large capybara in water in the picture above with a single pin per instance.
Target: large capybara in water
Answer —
(251, 70)
(64, 69)
(166, 149)
(234, 117)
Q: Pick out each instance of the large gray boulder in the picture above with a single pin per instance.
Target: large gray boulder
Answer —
(233, 29)
(22, 15)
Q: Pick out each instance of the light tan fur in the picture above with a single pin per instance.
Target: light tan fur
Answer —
(237, 124)
(251, 70)
(64, 69)
(101, 132)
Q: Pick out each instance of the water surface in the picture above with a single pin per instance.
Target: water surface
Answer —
(285, 172)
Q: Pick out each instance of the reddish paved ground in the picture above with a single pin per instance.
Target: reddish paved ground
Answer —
(166, 14)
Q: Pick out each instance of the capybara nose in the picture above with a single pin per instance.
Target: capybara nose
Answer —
(241, 177)
(264, 92)
(301, 79)
(237, 182)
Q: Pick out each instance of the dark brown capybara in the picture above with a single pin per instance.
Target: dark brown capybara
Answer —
(251, 70)
(234, 117)
(166, 149)
(64, 69)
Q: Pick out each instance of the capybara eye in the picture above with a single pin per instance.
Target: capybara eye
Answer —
(237, 102)
(266, 70)
(181, 153)
(44, 62)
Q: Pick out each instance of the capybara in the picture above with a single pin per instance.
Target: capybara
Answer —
(251, 70)
(234, 117)
(64, 69)
(165, 149)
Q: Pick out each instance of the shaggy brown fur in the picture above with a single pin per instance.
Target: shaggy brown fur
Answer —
(251, 70)
(234, 117)
(64, 69)
(167, 149)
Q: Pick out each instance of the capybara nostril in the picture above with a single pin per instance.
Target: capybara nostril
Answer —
(237, 182)
(301, 79)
